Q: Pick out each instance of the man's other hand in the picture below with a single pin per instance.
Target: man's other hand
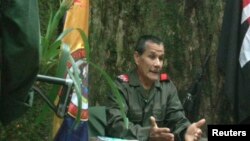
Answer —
(159, 134)
(194, 131)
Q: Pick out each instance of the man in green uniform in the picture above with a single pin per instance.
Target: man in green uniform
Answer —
(151, 101)
(19, 55)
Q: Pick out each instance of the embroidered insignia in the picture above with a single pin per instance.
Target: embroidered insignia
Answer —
(124, 77)
(164, 77)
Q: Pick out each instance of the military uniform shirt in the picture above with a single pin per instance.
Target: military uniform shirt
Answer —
(161, 101)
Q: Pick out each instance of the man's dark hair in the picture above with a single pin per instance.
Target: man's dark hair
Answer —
(141, 43)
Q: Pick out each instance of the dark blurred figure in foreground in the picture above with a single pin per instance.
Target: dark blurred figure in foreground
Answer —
(19, 56)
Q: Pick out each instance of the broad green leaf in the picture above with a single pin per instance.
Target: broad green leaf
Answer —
(115, 91)
(86, 43)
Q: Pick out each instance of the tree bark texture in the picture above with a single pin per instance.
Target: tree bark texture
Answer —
(190, 30)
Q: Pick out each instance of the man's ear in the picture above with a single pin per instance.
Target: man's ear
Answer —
(136, 57)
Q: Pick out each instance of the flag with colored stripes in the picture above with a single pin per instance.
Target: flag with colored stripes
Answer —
(234, 56)
(76, 17)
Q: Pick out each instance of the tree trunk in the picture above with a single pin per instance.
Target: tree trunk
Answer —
(190, 30)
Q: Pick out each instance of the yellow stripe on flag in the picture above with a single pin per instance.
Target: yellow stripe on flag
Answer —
(77, 17)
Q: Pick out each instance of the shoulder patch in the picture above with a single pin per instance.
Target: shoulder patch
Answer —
(164, 77)
(123, 78)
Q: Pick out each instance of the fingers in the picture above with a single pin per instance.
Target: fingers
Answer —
(168, 136)
(162, 137)
(163, 130)
(194, 131)
(198, 134)
(156, 128)
(200, 123)
(159, 134)
(153, 122)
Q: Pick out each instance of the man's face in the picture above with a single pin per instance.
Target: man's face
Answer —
(150, 63)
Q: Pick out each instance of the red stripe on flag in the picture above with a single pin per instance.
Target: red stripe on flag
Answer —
(248, 21)
(245, 3)
(73, 110)
(246, 11)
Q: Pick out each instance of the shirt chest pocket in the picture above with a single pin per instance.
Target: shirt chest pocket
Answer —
(135, 116)
(159, 115)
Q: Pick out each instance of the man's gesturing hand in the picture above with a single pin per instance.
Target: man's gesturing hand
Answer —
(194, 132)
(159, 134)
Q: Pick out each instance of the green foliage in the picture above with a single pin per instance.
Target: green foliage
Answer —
(50, 47)
(52, 57)
(107, 78)
(54, 53)
(114, 91)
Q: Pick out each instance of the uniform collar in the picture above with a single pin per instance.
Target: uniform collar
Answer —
(134, 79)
